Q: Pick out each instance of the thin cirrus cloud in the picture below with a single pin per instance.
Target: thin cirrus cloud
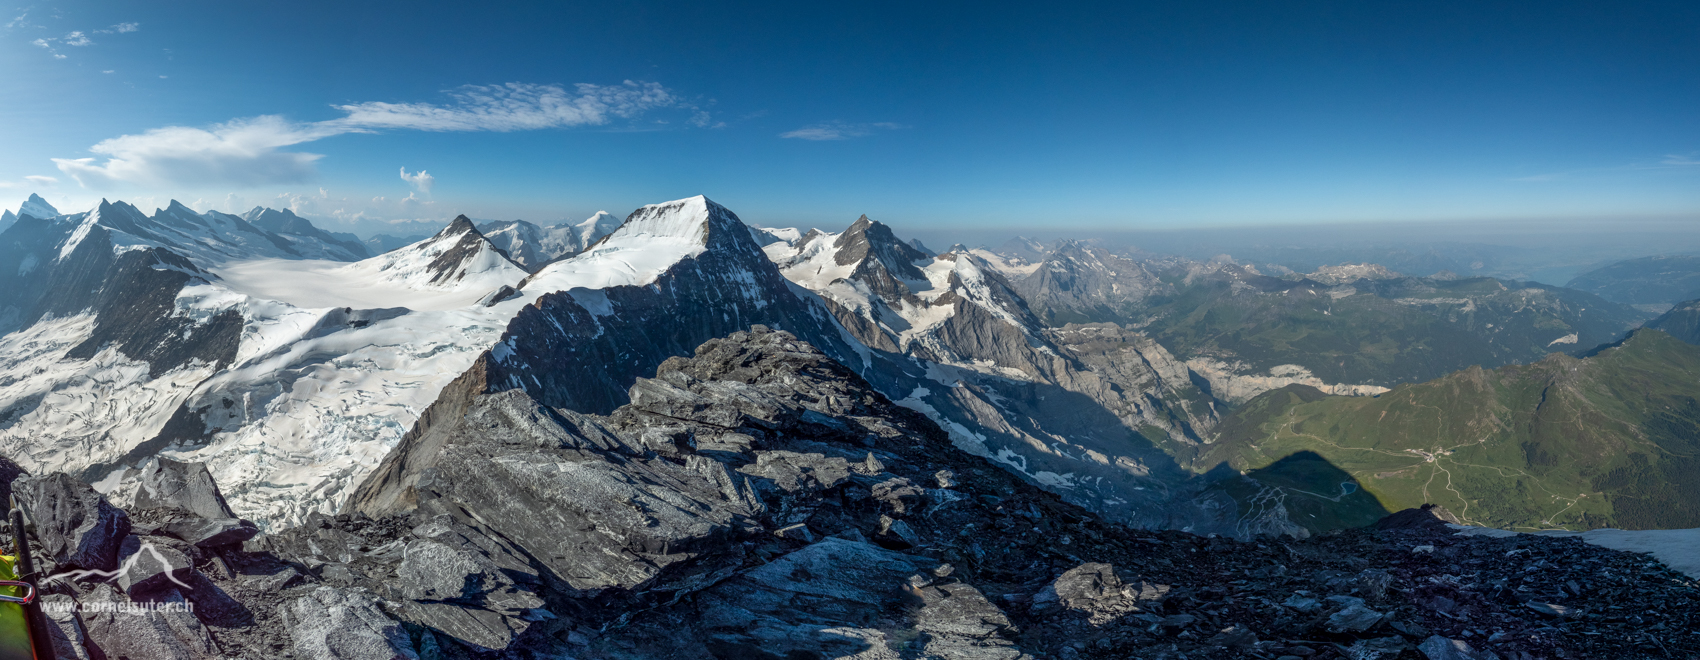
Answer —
(31, 181)
(835, 130)
(251, 152)
(421, 180)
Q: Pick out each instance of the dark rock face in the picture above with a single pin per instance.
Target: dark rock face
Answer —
(882, 260)
(77, 526)
(187, 486)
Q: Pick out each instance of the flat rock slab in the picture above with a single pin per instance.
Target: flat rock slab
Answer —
(333, 623)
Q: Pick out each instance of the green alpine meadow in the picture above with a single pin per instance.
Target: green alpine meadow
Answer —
(1611, 439)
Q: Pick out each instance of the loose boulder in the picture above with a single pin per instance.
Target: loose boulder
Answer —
(76, 525)
(188, 486)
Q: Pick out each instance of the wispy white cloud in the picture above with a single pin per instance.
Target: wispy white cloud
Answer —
(31, 181)
(241, 152)
(121, 28)
(251, 151)
(422, 180)
(514, 107)
(76, 39)
(837, 130)
(1680, 160)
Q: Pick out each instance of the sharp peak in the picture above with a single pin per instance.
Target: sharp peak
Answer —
(36, 198)
(460, 225)
(687, 201)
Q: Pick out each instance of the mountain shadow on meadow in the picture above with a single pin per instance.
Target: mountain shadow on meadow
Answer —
(1316, 494)
(1608, 440)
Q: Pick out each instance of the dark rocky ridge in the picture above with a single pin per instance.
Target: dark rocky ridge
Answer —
(759, 500)
(882, 260)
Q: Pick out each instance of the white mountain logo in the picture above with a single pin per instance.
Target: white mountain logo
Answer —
(107, 576)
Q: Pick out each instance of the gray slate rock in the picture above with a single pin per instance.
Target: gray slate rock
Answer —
(65, 627)
(959, 622)
(837, 599)
(75, 524)
(188, 486)
(1353, 618)
(212, 532)
(1095, 590)
(1441, 648)
(156, 634)
(333, 623)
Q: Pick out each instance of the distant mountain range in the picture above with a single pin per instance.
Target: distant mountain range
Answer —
(291, 360)
(1651, 283)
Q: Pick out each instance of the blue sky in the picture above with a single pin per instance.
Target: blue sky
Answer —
(949, 117)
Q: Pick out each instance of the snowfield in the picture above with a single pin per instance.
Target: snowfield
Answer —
(336, 361)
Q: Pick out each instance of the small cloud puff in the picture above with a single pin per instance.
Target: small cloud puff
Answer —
(422, 180)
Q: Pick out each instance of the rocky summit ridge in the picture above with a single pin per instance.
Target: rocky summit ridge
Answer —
(760, 500)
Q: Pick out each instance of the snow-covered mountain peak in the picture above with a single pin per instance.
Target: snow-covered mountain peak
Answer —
(457, 258)
(650, 241)
(594, 228)
(685, 220)
(460, 226)
(303, 236)
(38, 208)
(208, 239)
(453, 269)
(533, 247)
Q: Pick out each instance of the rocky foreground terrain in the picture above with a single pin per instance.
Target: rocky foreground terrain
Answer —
(759, 500)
